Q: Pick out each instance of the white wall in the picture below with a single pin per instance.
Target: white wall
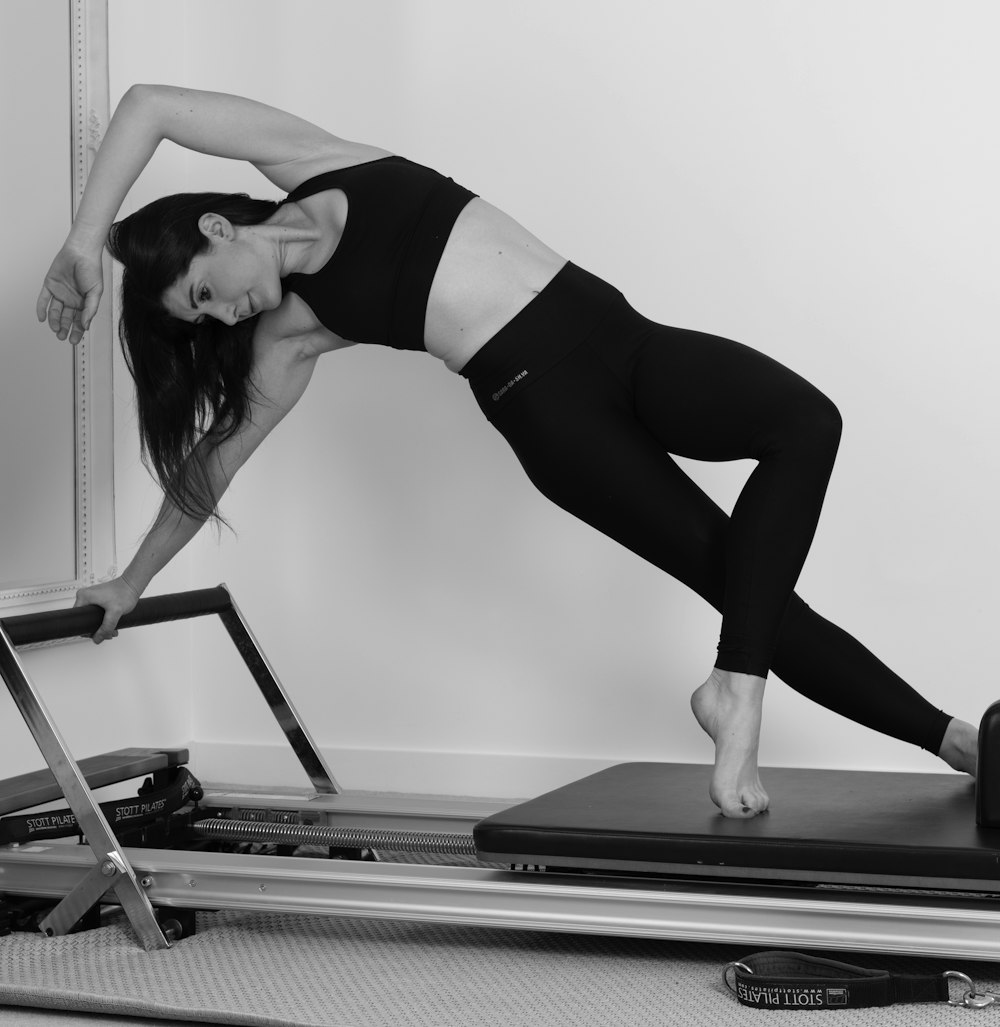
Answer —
(815, 180)
(135, 693)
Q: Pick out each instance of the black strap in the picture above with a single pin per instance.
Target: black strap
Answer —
(790, 980)
(124, 814)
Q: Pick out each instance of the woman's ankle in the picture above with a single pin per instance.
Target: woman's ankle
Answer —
(960, 746)
(736, 682)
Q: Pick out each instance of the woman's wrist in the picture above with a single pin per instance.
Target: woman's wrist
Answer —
(86, 238)
(128, 584)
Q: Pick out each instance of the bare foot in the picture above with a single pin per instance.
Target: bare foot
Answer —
(960, 748)
(728, 707)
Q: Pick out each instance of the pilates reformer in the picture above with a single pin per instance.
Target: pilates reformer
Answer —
(863, 861)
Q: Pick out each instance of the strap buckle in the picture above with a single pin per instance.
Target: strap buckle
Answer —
(972, 999)
(742, 966)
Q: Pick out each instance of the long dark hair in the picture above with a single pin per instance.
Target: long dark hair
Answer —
(192, 381)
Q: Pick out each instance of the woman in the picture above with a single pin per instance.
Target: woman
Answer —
(228, 303)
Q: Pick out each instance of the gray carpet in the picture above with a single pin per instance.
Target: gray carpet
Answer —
(23, 1017)
(273, 969)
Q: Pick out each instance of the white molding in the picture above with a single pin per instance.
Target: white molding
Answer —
(95, 423)
(507, 776)
(93, 392)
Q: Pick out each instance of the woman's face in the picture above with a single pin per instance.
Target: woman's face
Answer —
(234, 279)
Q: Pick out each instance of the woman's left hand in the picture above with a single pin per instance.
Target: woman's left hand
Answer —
(71, 292)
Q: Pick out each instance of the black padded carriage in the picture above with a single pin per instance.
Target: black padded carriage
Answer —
(823, 827)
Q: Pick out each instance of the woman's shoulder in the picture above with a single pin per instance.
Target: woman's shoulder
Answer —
(347, 155)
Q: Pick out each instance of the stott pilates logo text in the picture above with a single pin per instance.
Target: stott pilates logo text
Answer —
(779, 997)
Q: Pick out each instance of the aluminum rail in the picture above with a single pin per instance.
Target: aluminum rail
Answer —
(684, 910)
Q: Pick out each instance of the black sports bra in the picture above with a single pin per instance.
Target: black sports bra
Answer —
(375, 286)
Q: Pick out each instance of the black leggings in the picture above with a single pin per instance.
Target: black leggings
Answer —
(594, 398)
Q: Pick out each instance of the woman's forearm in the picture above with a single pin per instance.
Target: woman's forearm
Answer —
(170, 533)
(129, 143)
(173, 529)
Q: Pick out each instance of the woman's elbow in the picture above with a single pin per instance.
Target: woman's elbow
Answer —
(145, 96)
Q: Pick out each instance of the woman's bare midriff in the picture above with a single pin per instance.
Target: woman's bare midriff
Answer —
(490, 270)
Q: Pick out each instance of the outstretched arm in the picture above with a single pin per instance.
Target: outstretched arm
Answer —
(282, 371)
(285, 148)
(280, 145)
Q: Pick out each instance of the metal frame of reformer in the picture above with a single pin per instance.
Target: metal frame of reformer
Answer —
(685, 905)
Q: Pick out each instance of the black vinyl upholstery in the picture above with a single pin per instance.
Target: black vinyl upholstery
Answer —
(915, 829)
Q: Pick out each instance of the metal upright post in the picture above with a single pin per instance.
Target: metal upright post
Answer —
(112, 870)
(277, 699)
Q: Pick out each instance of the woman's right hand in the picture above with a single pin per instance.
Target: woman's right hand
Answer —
(72, 291)
(115, 597)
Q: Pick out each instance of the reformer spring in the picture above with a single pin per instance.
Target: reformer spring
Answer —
(336, 837)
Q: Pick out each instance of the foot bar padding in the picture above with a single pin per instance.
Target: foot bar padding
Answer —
(51, 625)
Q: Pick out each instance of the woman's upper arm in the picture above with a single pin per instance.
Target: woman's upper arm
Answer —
(282, 370)
(285, 148)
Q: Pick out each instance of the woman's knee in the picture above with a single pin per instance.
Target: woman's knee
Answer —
(816, 425)
(828, 422)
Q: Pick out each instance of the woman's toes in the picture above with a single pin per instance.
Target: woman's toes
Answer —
(739, 805)
(739, 811)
